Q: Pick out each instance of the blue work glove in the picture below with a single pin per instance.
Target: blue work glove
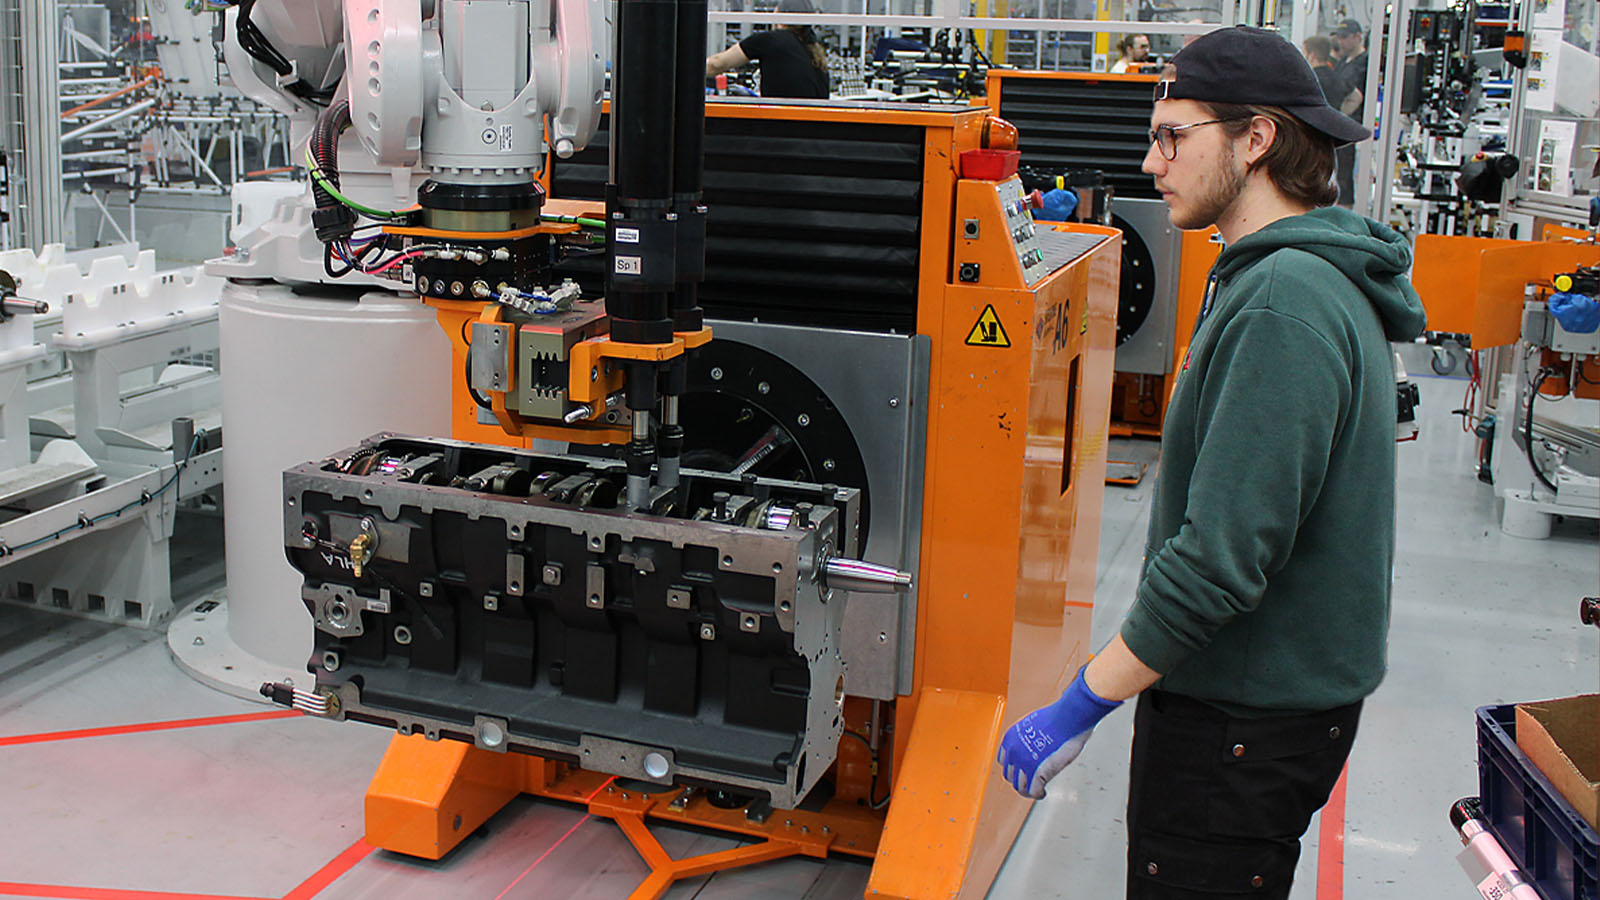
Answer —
(1046, 740)
(1577, 313)
(1056, 205)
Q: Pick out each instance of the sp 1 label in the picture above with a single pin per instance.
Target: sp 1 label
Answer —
(629, 265)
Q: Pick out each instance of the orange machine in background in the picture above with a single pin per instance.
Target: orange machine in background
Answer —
(1079, 120)
(835, 227)
(1479, 288)
(1526, 394)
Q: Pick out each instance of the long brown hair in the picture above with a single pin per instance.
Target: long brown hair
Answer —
(808, 40)
(1300, 160)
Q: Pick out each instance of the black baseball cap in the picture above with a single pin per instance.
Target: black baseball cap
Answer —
(1348, 26)
(1255, 66)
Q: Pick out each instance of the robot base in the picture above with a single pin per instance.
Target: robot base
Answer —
(202, 646)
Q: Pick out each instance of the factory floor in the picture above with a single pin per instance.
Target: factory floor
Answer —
(123, 779)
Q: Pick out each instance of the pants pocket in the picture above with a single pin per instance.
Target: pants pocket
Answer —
(1169, 867)
(1275, 773)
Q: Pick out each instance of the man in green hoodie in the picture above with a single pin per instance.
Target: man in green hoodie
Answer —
(1260, 621)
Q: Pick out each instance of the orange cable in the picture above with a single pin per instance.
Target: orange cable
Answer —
(111, 96)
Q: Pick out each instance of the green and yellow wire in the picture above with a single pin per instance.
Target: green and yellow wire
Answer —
(322, 182)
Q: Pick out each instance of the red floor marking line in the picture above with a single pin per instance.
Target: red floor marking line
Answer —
(559, 841)
(330, 873)
(49, 736)
(543, 856)
(1330, 843)
(67, 892)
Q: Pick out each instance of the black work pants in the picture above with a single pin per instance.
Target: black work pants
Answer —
(1217, 804)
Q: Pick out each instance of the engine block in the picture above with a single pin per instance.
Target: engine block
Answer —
(501, 597)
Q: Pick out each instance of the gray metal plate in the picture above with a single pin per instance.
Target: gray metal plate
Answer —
(879, 384)
(1149, 350)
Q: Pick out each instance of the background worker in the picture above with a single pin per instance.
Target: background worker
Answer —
(1319, 55)
(1132, 49)
(793, 64)
(1261, 618)
(1350, 47)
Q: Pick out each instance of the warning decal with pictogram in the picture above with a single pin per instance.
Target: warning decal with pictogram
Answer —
(988, 332)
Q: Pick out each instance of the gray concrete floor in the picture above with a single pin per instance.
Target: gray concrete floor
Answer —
(256, 808)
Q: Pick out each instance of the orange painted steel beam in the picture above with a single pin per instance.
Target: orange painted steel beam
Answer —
(933, 817)
(629, 809)
(1445, 272)
(1504, 274)
(427, 796)
(665, 871)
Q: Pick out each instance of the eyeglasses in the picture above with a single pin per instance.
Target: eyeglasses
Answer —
(1165, 136)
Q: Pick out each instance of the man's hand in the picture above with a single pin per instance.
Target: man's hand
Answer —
(1046, 740)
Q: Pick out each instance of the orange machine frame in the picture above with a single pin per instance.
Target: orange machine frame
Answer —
(996, 80)
(1131, 391)
(1006, 584)
(1475, 286)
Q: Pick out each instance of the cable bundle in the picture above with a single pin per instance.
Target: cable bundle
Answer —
(256, 44)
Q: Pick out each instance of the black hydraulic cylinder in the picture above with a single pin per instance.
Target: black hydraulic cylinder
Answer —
(688, 160)
(689, 135)
(642, 100)
(641, 234)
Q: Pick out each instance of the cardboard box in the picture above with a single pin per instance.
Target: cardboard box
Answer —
(1562, 739)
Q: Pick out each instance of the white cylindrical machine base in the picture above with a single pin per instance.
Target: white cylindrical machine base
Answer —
(303, 376)
(1522, 518)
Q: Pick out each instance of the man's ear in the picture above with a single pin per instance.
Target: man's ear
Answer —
(1263, 133)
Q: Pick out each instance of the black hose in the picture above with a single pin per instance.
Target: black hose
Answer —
(466, 376)
(332, 219)
(1527, 432)
(254, 42)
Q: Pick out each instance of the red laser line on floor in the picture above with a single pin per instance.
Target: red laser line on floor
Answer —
(139, 728)
(559, 841)
(1330, 843)
(312, 886)
(330, 873)
(68, 892)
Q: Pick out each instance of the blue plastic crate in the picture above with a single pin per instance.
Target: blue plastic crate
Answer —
(1550, 842)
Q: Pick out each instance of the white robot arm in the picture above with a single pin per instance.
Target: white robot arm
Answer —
(461, 87)
(468, 86)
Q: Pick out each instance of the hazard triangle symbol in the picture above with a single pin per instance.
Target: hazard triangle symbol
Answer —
(988, 332)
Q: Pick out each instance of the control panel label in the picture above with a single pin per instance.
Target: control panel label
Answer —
(629, 265)
(987, 331)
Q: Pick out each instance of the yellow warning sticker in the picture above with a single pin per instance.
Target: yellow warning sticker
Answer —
(988, 332)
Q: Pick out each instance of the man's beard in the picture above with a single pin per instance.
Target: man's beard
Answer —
(1210, 206)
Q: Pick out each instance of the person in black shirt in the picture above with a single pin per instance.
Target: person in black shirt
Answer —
(1350, 46)
(792, 62)
(1319, 53)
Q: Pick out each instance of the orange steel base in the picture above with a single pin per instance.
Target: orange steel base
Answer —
(427, 796)
(1014, 477)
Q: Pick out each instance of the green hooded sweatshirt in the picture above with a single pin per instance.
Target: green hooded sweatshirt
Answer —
(1266, 580)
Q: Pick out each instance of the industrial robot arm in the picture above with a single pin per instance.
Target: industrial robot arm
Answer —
(427, 79)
